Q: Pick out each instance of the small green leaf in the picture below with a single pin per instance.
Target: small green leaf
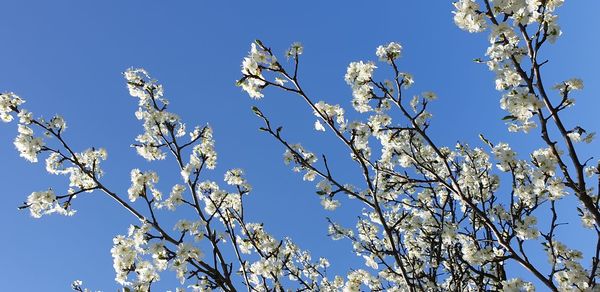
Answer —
(486, 141)
(257, 111)
(509, 117)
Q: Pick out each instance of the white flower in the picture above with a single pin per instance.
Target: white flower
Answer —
(25, 117)
(507, 77)
(206, 149)
(42, 203)
(526, 229)
(589, 137)
(8, 102)
(429, 95)
(505, 156)
(175, 198)
(467, 16)
(137, 83)
(234, 177)
(591, 170)
(575, 84)
(187, 251)
(358, 76)
(329, 204)
(517, 285)
(378, 122)
(324, 187)
(389, 52)
(370, 262)
(319, 126)
(545, 160)
(571, 84)
(294, 50)
(253, 80)
(146, 273)
(280, 81)
(124, 253)
(28, 145)
(58, 123)
(553, 30)
(331, 112)
(141, 182)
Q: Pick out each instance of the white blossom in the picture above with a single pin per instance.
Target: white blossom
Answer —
(8, 103)
(45, 202)
(330, 204)
(141, 183)
(27, 144)
(389, 52)
(358, 76)
(174, 200)
(467, 17)
(319, 126)
(294, 50)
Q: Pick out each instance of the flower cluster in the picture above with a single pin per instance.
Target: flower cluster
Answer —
(389, 52)
(41, 203)
(28, 145)
(331, 114)
(163, 128)
(174, 200)
(521, 105)
(303, 160)
(468, 17)
(83, 173)
(127, 253)
(282, 258)
(8, 103)
(358, 76)
(218, 202)
(252, 66)
(141, 182)
(294, 50)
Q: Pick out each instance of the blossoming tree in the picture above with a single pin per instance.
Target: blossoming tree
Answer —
(435, 217)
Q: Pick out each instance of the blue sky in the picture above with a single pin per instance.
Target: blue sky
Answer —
(67, 57)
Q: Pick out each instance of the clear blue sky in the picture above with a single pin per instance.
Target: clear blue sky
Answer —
(67, 57)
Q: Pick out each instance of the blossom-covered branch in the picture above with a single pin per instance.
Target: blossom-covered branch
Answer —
(149, 248)
(438, 216)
